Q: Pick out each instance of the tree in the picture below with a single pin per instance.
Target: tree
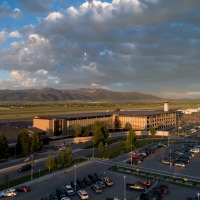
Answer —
(100, 147)
(76, 130)
(100, 132)
(153, 131)
(23, 142)
(84, 132)
(50, 163)
(4, 149)
(68, 156)
(60, 160)
(131, 139)
(36, 143)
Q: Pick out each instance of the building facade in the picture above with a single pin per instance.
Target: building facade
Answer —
(121, 120)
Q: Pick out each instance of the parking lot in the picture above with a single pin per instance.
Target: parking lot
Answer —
(152, 162)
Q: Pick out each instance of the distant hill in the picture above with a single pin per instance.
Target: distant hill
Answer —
(53, 95)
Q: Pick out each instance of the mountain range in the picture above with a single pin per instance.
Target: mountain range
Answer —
(84, 94)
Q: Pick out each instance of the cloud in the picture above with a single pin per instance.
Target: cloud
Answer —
(128, 45)
(5, 11)
(37, 6)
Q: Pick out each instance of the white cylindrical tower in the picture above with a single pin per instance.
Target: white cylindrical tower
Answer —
(166, 106)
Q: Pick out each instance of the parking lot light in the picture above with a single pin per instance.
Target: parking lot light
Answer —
(124, 187)
(170, 159)
(75, 179)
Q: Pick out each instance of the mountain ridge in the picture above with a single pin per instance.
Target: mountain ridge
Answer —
(53, 95)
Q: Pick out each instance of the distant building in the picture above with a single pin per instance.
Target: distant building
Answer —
(189, 111)
(56, 125)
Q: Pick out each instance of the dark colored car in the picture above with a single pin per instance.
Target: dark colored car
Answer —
(93, 178)
(73, 186)
(164, 188)
(53, 196)
(23, 188)
(96, 188)
(61, 192)
(132, 162)
(80, 183)
(136, 186)
(24, 168)
(87, 180)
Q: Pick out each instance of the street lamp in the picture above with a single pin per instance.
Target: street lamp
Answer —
(75, 179)
(170, 159)
(124, 187)
(93, 149)
(131, 154)
(31, 166)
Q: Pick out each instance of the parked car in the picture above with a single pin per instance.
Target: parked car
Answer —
(164, 188)
(24, 168)
(107, 181)
(93, 178)
(53, 196)
(96, 188)
(136, 186)
(81, 183)
(87, 180)
(194, 150)
(161, 145)
(179, 163)
(61, 192)
(165, 161)
(23, 188)
(145, 183)
(83, 194)
(101, 184)
(8, 193)
(69, 190)
(73, 186)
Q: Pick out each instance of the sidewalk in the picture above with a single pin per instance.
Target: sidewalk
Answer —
(56, 173)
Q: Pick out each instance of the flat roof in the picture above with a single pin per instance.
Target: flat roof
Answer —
(106, 114)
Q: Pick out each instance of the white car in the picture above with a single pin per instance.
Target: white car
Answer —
(8, 193)
(65, 198)
(194, 150)
(83, 194)
(69, 190)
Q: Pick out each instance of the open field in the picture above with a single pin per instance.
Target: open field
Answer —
(27, 110)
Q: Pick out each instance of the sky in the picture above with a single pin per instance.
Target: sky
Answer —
(147, 46)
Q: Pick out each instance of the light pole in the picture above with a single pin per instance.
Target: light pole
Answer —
(124, 187)
(198, 194)
(131, 154)
(170, 159)
(31, 166)
(75, 179)
(93, 149)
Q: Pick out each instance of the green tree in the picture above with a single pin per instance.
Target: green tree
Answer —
(50, 163)
(60, 160)
(23, 143)
(131, 139)
(76, 130)
(4, 149)
(152, 131)
(68, 156)
(100, 147)
(100, 132)
(84, 132)
(36, 143)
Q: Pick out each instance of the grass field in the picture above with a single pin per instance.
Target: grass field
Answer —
(26, 111)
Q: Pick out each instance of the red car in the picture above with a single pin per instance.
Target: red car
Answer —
(23, 188)
(145, 182)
